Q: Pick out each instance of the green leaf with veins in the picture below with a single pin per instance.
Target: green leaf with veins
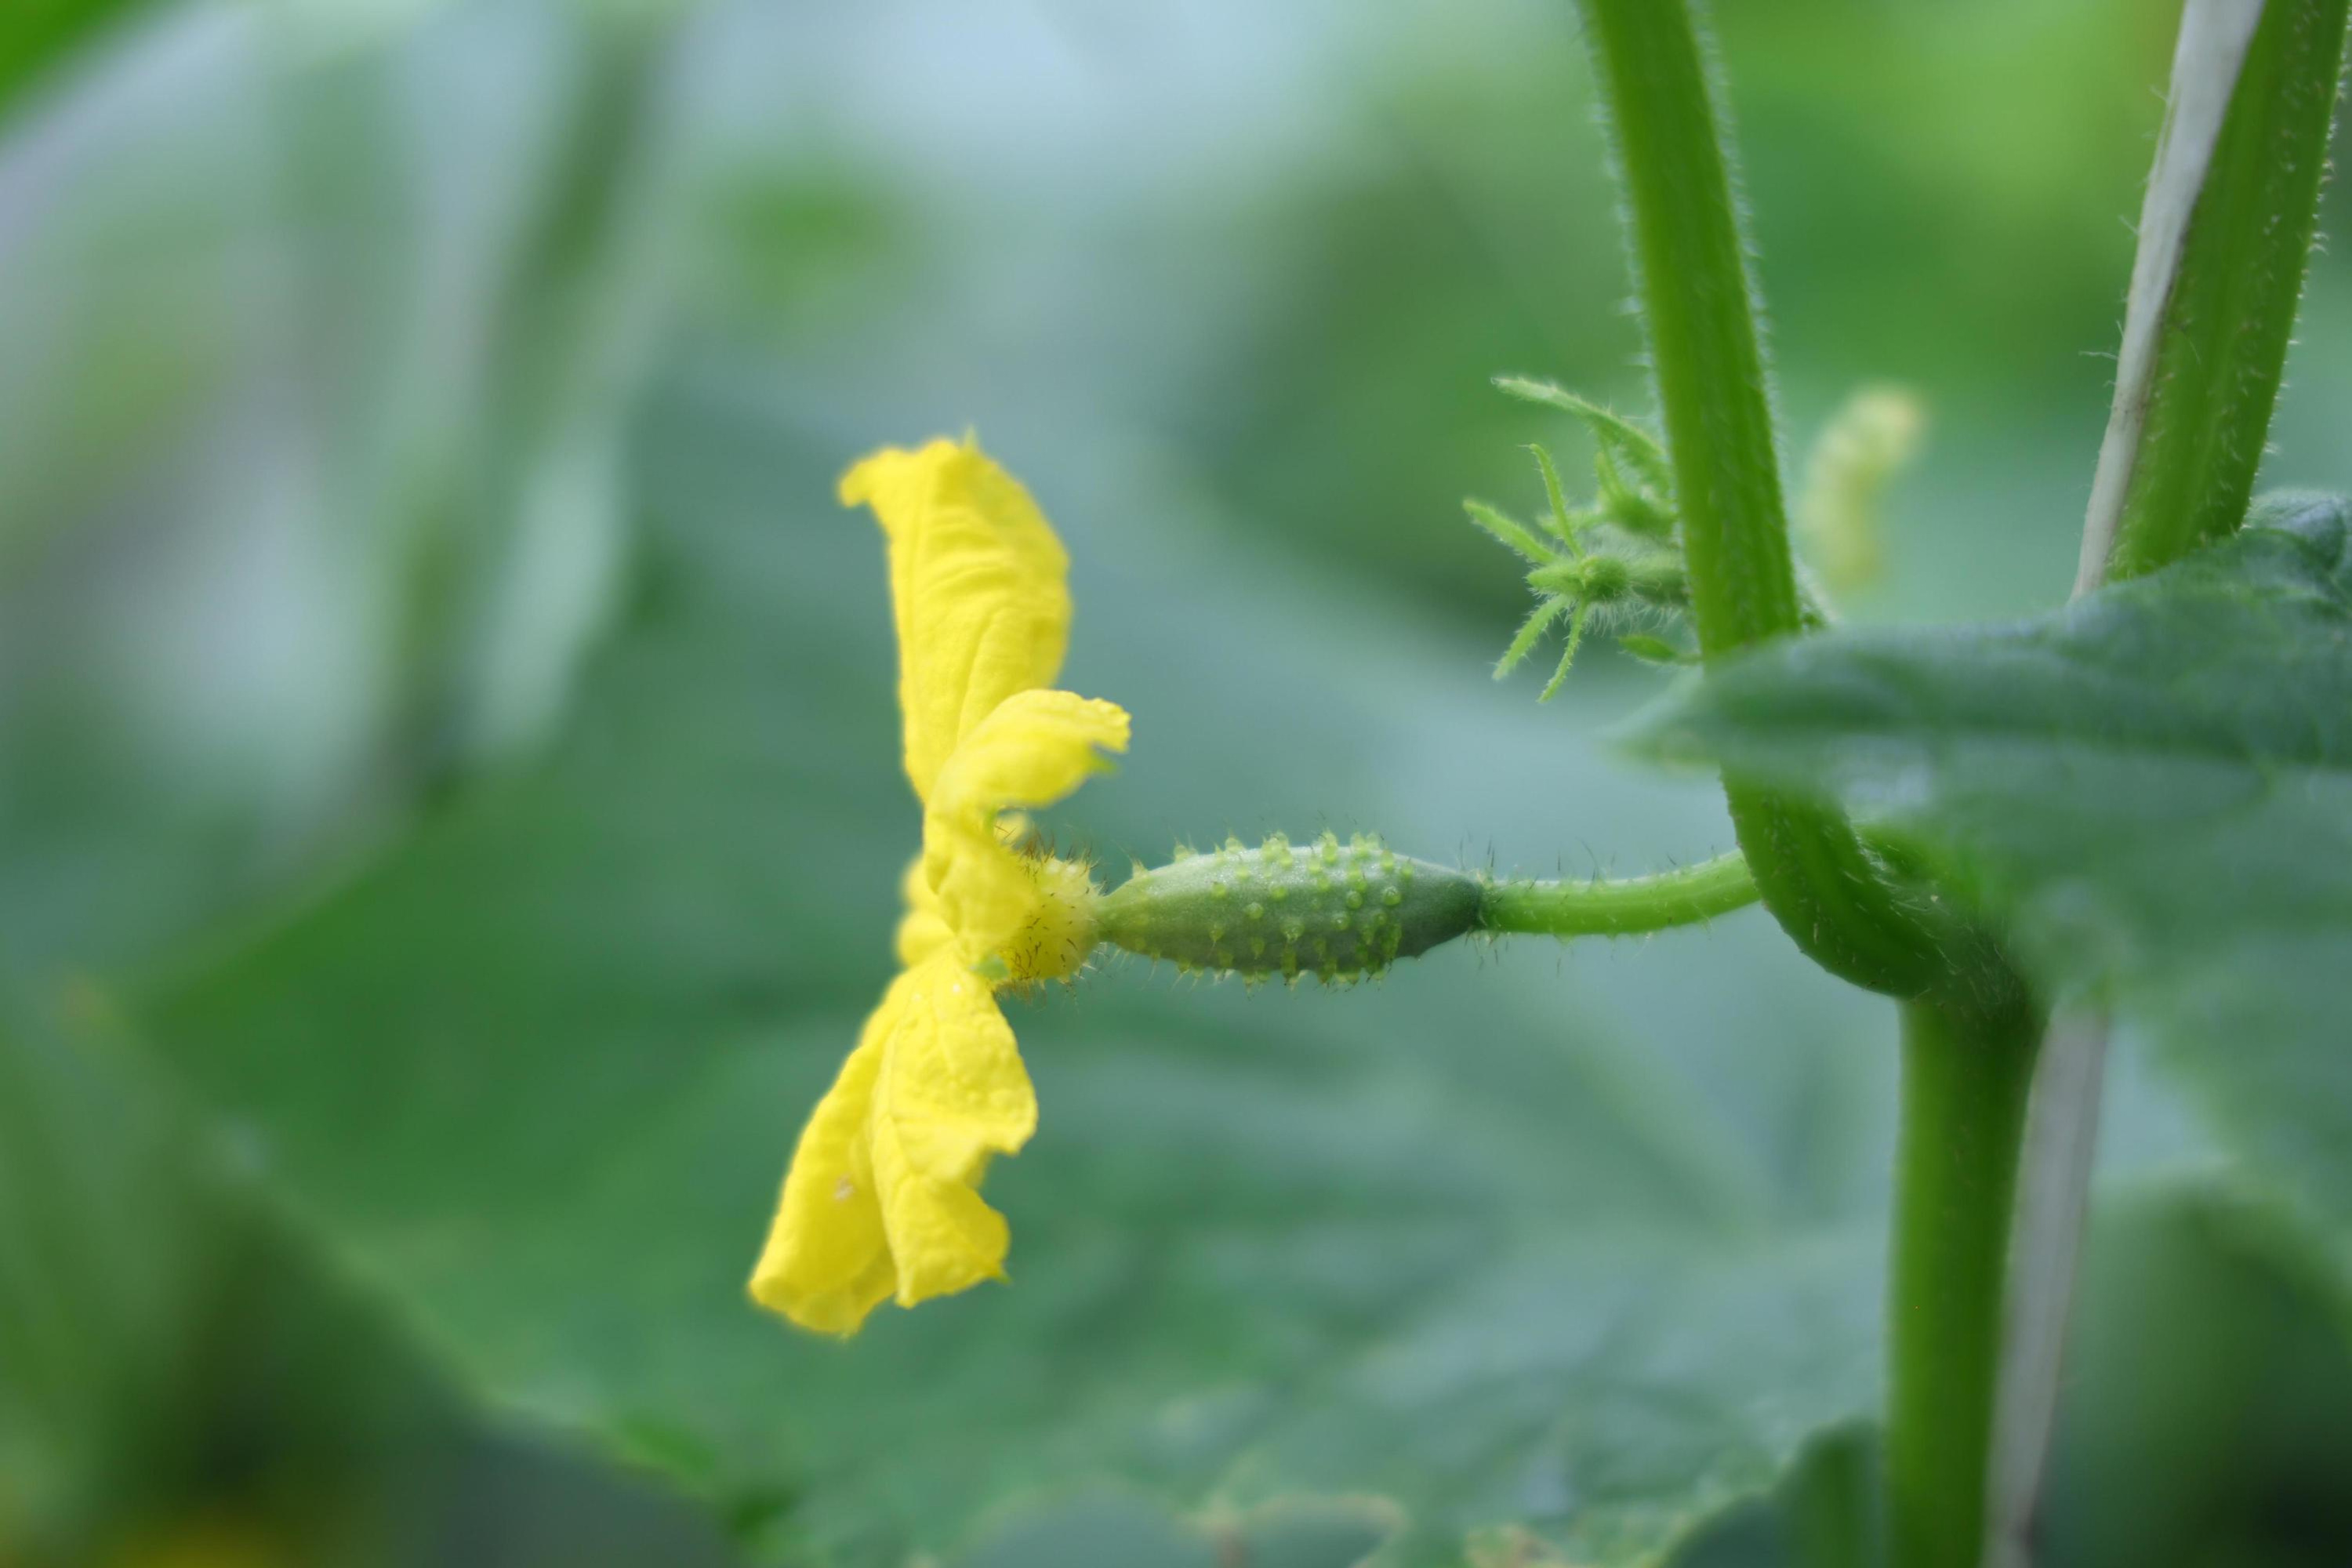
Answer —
(2149, 789)
(1453, 1242)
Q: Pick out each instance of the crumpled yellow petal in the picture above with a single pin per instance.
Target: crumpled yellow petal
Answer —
(827, 1260)
(977, 583)
(923, 928)
(953, 1094)
(1034, 749)
(882, 1198)
(922, 931)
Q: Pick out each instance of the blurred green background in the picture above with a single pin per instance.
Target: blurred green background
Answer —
(450, 813)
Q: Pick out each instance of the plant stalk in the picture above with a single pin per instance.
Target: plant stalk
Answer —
(1967, 1061)
(2210, 329)
(1966, 1074)
(1691, 275)
(1622, 907)
(2225, 237)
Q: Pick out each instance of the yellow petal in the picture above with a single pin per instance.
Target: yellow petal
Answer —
(977, 586)
(953, 1094)
(1034, 749)
(827, 1260)
(923, 931)
(882, 1197)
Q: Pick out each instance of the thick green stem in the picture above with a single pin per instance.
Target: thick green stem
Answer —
(2228, 306)
(1626, 907)
(1691, 274)
(2225, 234)
(1965, 1077)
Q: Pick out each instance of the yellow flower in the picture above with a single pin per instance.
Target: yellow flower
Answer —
(883, 1195)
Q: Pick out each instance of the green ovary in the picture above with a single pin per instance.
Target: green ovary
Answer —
(1341, 911)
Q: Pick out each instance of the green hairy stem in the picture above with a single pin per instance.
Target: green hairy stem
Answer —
(1692, 281)
(1967, 1066)
(1626, 907)
(2228, 314)
(1965, 1077)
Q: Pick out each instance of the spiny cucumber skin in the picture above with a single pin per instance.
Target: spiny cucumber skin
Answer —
(1341, 911)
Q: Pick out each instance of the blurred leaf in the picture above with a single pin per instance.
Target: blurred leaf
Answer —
(1111, 1529)
(180, 1382)
(794, 251)
(1984, 156)
(2208, 1408)
(1115, 1528)
(314, 365)
(1441, 1242)
(1466, 231)
(35, 35)
(2152, 789)
(1824, 1514)
(2208, 1416)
